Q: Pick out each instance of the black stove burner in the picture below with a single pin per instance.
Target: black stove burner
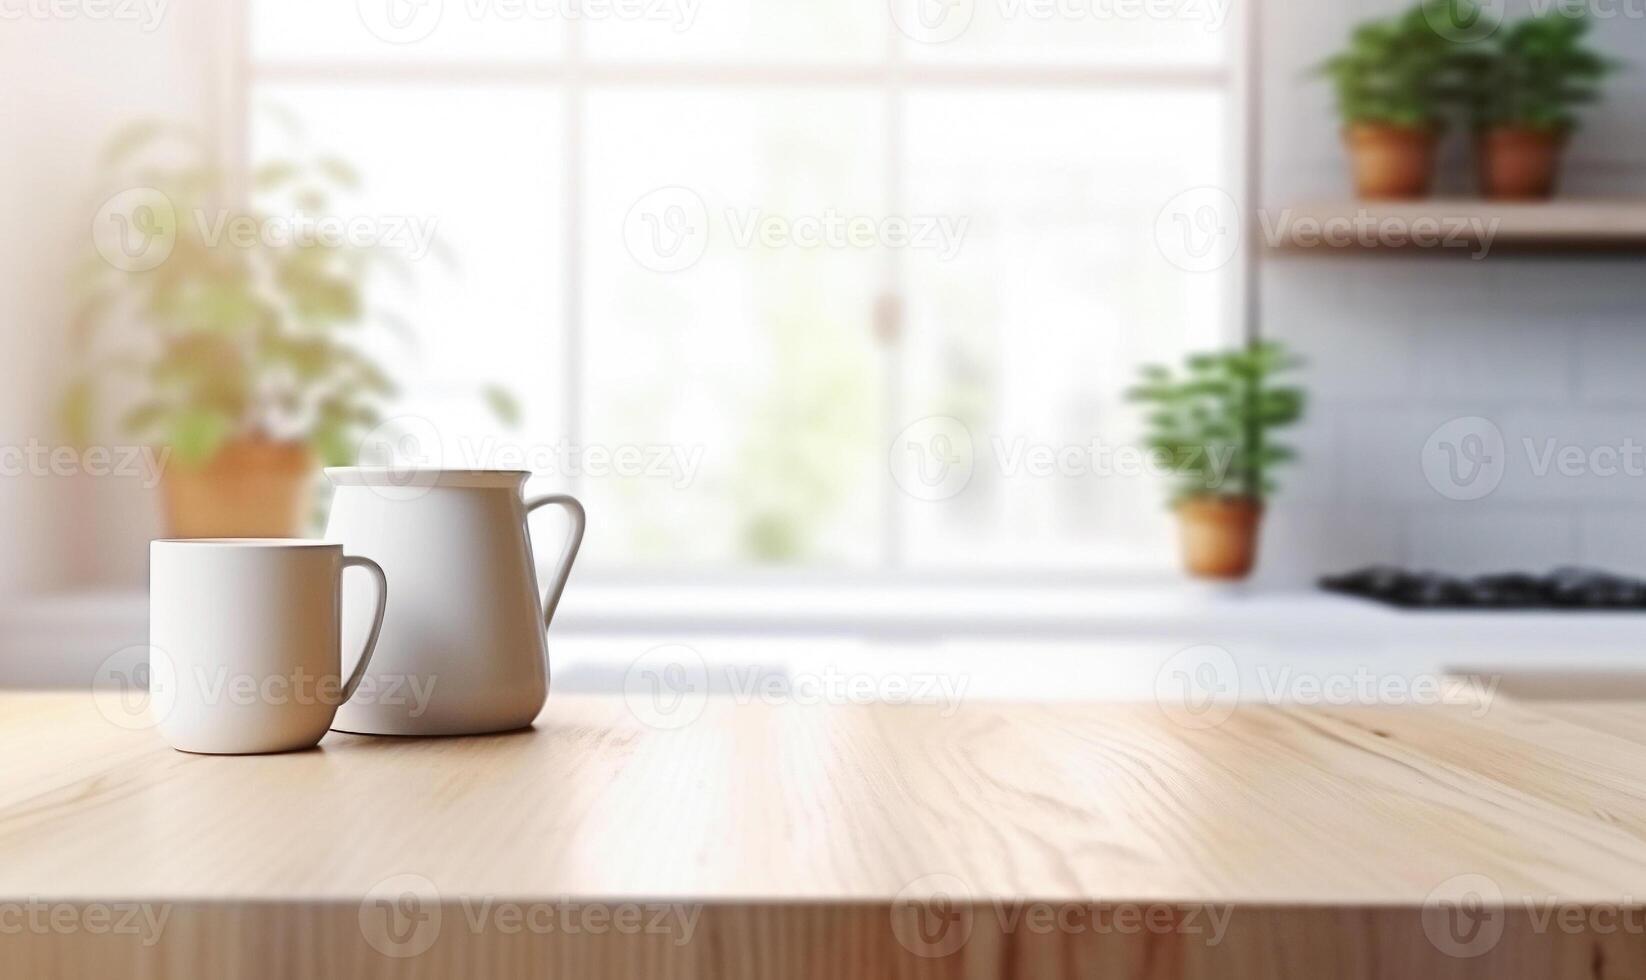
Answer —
(1572, 589)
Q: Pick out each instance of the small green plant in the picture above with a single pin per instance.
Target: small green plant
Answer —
(210, 312)
(1401, 71)
(1211, 421)
(1535, 74)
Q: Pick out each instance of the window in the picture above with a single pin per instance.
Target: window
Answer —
(759, 272)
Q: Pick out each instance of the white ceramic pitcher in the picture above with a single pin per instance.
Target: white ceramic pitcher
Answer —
(462, 650)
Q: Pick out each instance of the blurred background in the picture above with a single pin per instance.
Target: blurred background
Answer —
(832, 314)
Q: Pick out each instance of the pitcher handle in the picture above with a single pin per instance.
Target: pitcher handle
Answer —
(551, 599)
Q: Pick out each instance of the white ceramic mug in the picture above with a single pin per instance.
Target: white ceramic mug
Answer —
(245, 641)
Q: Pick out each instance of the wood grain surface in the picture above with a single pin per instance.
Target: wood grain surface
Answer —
(1502, 839)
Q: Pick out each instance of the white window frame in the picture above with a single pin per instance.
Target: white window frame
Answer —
(894, 76)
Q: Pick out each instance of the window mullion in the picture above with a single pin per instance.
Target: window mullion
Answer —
(892, 556)
(573, 369)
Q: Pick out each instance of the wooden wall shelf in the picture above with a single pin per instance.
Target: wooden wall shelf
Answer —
(1457, 226)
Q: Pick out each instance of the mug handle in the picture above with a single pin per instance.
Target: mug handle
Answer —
(355, 561)
(551, 599)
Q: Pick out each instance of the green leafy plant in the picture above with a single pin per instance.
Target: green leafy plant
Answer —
(1401, 71)
(1536, 73)
(1212, 420)
(214, 329)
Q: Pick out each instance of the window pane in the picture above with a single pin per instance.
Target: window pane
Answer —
(483, 305)
(1031, 333)
(444, 30)
(765, 31)
(1106, 32)
(717, 325)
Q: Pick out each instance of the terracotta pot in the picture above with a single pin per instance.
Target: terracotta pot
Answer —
(1219, 535)
(252, 488)
(1391, 162)
(1518, 164)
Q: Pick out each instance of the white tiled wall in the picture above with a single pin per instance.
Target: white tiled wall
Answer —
(1545, 348)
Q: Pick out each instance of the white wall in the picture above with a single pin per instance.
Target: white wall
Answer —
(1543, 347)
(67, 82)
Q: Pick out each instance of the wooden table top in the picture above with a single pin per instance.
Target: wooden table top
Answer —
(751, 802)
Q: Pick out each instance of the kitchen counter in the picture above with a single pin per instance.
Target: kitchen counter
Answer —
(736, 838)
(1034, 630)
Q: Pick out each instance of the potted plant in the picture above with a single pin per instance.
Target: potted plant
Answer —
(1211, 424)
(1393, 82)
(1523, 92)
(227, 334)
